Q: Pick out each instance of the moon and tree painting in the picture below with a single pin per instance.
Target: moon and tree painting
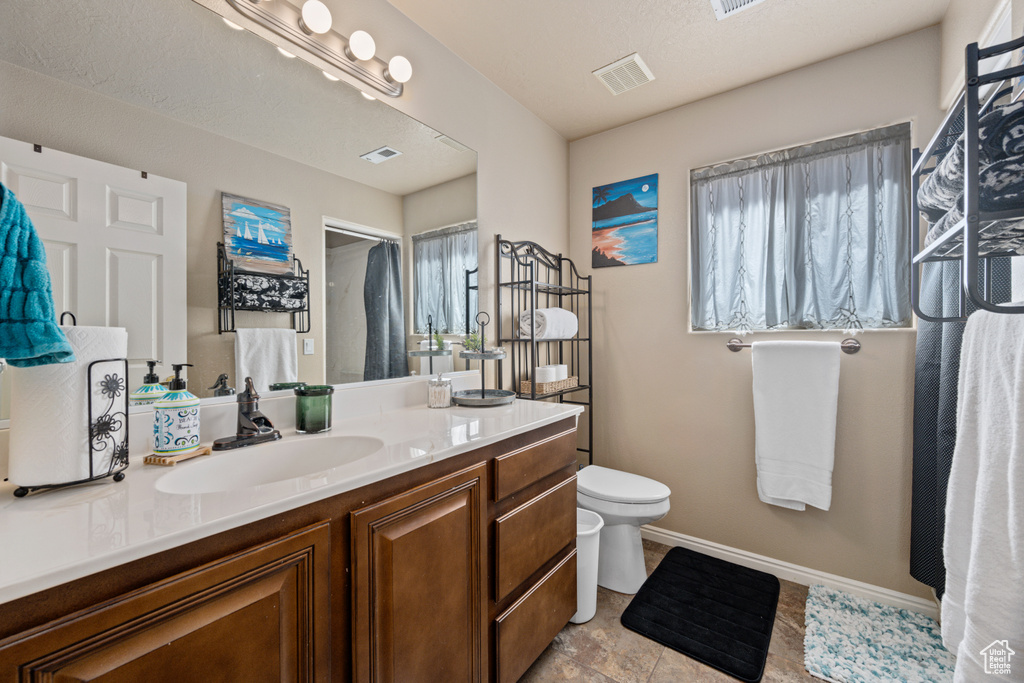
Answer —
(625, 223)
(257, 235)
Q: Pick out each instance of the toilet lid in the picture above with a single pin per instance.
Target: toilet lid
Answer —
(620, 487)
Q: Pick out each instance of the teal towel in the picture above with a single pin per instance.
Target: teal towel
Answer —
(29, 334)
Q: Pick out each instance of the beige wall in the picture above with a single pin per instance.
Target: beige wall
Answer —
(54, 114)
(966, 22)
(677, 406)
(439, 206)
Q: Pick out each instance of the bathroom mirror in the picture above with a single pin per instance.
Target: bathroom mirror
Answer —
(167, 87)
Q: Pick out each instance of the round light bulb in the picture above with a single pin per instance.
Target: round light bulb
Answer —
(367, 96)
(316, 17)
(330, 76)
(362, 46)
(399, 69)
(232, 24)
(284, 52)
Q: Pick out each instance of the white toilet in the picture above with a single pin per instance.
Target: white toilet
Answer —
(624, 501)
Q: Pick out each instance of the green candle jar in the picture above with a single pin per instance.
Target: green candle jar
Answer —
(313, 409)
(286, 385)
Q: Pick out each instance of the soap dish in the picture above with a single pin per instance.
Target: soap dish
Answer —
(170, 460)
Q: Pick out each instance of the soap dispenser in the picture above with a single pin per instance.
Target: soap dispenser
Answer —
(176, 418)
(151, 390)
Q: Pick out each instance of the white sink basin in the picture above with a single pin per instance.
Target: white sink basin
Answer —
(290, 458)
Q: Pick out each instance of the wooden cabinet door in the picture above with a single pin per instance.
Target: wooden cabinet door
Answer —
(259, 615)
(418, 585)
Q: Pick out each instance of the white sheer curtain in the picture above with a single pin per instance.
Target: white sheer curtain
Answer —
(441, 259)
(813, 237)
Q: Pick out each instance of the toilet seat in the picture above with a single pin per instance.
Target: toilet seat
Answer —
(620, 487)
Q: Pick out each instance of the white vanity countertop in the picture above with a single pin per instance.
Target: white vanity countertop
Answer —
(49, 538)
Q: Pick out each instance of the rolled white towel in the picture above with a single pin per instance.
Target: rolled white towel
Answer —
(549, 323)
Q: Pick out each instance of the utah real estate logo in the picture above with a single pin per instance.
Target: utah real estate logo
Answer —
(997, 656)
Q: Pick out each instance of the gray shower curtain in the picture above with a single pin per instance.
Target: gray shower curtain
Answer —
(936, 380)
(385, 319)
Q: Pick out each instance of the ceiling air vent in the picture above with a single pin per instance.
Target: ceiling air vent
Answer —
(454, 144)
(727, 8)
(624, 74)
(379, 155)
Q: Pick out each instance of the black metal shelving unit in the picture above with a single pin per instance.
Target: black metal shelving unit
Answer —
(472, 285)
(529, 277)
(228, 298)
(975, 240)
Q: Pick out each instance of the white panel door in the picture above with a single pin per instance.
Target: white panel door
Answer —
(115, 246)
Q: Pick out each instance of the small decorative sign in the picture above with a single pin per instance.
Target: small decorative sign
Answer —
(625, 223)
(257, 235)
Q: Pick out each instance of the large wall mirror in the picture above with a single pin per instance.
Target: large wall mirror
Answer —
(167, 87)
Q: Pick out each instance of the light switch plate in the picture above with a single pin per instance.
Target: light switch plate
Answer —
(307, 347)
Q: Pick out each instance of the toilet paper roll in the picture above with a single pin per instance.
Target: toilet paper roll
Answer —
(561, 372)
(544, 374)
(49, 438)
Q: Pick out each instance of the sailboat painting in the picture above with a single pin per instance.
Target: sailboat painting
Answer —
(257, 235)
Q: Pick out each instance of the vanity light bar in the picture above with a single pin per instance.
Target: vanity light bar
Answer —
(330, 46)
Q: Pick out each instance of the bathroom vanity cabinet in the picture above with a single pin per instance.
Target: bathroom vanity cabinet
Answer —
(459, 570)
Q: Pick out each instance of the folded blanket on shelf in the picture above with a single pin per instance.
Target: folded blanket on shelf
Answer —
(549, 323)
(1002, 189)
(1001, 131)
(943, 188)
(265, 292)
(1000, 137)
(999, 237)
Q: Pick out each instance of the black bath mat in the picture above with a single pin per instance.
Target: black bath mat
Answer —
(715, 611)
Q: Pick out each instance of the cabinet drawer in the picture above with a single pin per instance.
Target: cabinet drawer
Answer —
(517, 470)
(532, 534)
(526, 628)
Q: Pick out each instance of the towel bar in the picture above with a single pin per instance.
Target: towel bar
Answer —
(847, 345)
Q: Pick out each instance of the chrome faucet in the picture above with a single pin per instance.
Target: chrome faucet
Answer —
(253, 426)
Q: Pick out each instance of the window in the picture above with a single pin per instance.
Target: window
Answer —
(440, 261)
(813, 237)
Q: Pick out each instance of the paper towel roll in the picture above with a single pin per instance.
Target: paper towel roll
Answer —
(49, 438)
(544, 374)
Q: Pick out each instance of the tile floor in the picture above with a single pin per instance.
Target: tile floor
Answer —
(604, 651)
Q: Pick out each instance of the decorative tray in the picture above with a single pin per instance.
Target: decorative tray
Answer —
(493, 354)
(487, 397)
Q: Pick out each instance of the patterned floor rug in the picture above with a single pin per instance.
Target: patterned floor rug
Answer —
(853, 640)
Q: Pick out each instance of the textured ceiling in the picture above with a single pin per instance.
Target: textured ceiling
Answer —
(542, 53)
(179, 59)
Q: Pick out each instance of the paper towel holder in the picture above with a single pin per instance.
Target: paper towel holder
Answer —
(106, 423)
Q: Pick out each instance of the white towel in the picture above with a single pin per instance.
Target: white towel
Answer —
(550, 323)
(796, 389)
(268, 356)
(984, 537)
